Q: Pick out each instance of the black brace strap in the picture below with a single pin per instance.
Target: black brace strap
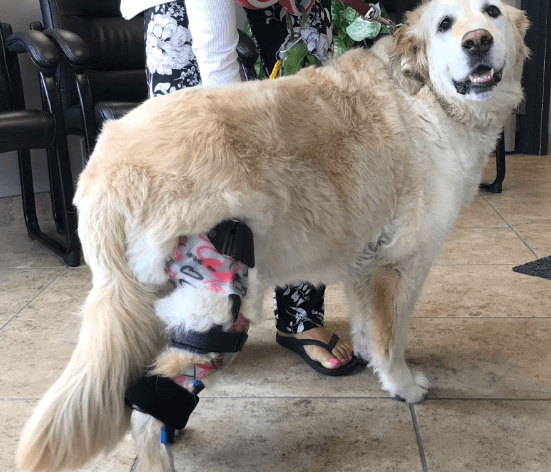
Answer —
(214, 340)
(161, 398)
(233, 239)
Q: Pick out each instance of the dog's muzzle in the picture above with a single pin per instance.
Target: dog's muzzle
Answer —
(480, 80)
(477, 45)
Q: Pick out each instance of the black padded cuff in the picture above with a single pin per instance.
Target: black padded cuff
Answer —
(163, 399)
(233, 239)
(214, 340)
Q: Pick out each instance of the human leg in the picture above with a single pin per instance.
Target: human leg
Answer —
(299, 308)
(299, 312)
(170, 62)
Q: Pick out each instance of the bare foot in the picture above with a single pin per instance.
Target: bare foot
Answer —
(342, 352)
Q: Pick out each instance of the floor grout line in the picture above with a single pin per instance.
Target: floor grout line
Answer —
(19, 399)
(61, 272)
(512, 229)
(479, 317)
(310, 397)
(35, 269)
(429, 399)
(419, 438)
(135, 464)
(484, 399)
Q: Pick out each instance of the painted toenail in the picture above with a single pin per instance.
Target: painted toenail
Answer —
(334, 361)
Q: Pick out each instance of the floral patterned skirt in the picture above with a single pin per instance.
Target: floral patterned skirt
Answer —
(171, 65)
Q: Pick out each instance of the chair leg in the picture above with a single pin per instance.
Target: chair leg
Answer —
(65, 179)
(27, 193)
(61, 165)
(55, 192)
(496, 185)
(71, 252)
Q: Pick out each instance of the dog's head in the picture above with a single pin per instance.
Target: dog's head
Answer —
(469, 50)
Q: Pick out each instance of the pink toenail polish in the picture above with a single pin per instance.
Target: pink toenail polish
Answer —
(335, 361)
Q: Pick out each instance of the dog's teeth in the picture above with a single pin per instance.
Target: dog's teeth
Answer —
(492, 73)
(471, 78)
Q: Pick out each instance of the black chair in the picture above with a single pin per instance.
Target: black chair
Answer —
(102, 73)
(22, 129)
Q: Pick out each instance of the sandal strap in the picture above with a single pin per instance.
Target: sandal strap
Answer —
(312, 342)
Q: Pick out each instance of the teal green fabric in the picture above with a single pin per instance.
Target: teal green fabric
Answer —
(350, 28)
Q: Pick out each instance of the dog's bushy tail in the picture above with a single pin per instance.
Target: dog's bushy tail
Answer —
(83, 413)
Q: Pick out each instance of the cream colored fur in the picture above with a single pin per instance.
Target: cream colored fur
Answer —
(154, 456)
(353, 173)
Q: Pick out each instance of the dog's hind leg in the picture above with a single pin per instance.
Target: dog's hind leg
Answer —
(154, 456)
(381, 305)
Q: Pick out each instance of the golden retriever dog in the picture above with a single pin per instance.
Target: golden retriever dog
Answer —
(354, 173)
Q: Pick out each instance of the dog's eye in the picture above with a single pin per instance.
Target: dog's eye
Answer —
(445, 24)
(493, 11)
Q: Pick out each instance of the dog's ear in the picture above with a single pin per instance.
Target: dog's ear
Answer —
(520, 21)
(408, 58)
(521, 24)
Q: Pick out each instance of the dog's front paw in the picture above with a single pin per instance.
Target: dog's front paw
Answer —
(421, 379)
(362, 354)
(409, 387)
(415, 391)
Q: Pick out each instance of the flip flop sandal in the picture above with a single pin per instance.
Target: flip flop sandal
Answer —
(297, 346)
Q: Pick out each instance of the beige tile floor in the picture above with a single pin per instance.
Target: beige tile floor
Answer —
(481, 332)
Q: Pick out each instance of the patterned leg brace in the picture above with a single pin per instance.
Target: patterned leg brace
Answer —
(203, 314)
(197, 265)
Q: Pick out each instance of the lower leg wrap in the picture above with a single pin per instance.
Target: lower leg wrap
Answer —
(196, 264)
(161, 398)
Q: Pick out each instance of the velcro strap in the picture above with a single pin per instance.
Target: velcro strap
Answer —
(214, 340)
(161, 398)
(233, 239)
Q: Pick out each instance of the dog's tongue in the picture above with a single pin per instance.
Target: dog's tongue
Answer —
(480, 78)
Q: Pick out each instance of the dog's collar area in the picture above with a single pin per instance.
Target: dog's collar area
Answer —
(480, 80)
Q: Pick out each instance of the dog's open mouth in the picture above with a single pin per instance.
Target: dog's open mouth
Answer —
(481, 79)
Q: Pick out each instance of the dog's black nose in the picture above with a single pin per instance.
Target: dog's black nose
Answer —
(477, 41)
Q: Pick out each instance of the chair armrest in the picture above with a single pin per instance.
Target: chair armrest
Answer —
(40, 49)
(246, 50)
(76, 54)
(71, 45)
